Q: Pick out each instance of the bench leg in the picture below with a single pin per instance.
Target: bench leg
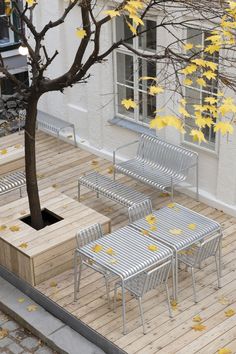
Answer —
(20, 193)
(197, 191)
(78, 191)
(75, 143)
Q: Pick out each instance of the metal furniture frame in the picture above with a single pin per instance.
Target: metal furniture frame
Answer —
(12, 181)
(195, 255)
(54, 125)
(131, 256)
(83, 237)
(139, 285)
(179, 217)
(158, 163)
(113, 190)
(139, 211)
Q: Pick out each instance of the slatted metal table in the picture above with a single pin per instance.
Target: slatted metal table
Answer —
(131, 257)
(179, 217)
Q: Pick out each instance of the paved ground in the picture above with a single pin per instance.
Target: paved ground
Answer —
(15, 339)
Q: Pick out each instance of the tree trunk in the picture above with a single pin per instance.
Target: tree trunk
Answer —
(30, 163)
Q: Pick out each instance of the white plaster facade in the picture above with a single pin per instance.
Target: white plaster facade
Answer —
(90, 106)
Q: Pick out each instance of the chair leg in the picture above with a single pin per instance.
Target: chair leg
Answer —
(107, 292)
(78, 191)
(77, 276)
(194, 285)
(168, 300)
(141, 313)
(217, 272)
(20, 193)
(115, 296)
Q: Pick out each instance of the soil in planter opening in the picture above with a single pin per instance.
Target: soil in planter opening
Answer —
(49, 218)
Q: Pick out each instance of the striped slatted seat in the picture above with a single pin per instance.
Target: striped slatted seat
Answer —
(111, 189)
(15, 180)
(158, 163)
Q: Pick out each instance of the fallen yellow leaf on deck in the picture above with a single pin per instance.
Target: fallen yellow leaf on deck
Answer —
(94, 162)
(14, 228)
(23, 212)
(17, 146)
(229, 313)
(144, 232)
(174, 304)
(175, 231)
(21, 300)
(108, 210)
(192, 226)
(32, 308)
(153, 228)
(164, 195)
(54, 185)
(171, 205)
(197, 318)
(151, 219)
(53, 284)
(199, 327)
(223, 300)
(224, 351)
(152, 248)
(97, 248)
(3, 333)
(110, 169)
(3, 227)
(110, 251)
(3, 151)
(40, 175)
(23, 245)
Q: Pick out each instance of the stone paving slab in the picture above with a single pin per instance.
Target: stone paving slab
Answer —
(59, 336)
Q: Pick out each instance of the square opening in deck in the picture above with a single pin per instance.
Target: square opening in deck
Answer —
(49, 218)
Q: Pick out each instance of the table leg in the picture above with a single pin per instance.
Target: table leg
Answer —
(173, 277)
(220, 262)
(176, 277)
(123, 307)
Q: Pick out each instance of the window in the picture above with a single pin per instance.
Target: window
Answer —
(7, 37)
(129, 69)
(196, 94)
(7, 87)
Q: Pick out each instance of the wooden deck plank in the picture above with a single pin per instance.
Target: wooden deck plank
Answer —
(61, 165)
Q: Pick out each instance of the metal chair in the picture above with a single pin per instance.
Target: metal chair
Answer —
(140, 210)
(83, 237)
(140, 284)
(196, 254)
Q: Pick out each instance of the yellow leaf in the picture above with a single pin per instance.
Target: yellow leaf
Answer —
(112, 13)
(110, 251)
(201, 82)
(153, 248)
(21, 300)
(3, 333)
(211, 100)
(229, 313)
(132, 28)
(23, 212)
(224, 351)
(145, 78)
(151, 219)
(171, 205)
(189, 69)
(223, 128)
(183, 111)
(14, 228)
(81, 33)
(17, 146)
(110, 169)
(188, 46)
(175, 231)
(153, 228)
(144, 232)
(23, 245)
(53, 284)
(3, 227)
(55, 185)
(155, 90)
(164, 195)
(209, 75)
(199, 327)
(192, 226)
(197, 318)
(31, 2)
(174, 304)
(129, 103)
(32, 308)
(137, 20)
(187, 82)
(212, 48)
(94, 162)
(97, 248)
(197, 135)
(3, 151)
(223, 300)
(113, 261)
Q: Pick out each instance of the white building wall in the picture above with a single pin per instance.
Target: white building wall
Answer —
(90, 106)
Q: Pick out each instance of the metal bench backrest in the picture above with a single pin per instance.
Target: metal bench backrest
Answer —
(92, 233)
(167, 157)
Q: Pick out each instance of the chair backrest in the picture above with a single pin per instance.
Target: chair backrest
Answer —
(91, 233)
(140, 210)
(167, 157)
(208, 248)
(157, 276)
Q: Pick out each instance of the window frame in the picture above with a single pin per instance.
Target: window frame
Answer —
(13, 40)
(213, 147)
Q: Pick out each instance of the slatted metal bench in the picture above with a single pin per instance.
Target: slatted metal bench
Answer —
(10, 182)
(54, 124)
(111, 189)
(159, 164)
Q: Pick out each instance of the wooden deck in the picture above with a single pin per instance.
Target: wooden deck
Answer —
(59, 166)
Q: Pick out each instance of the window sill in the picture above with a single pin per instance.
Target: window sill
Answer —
(133, 126)
(199, 149)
